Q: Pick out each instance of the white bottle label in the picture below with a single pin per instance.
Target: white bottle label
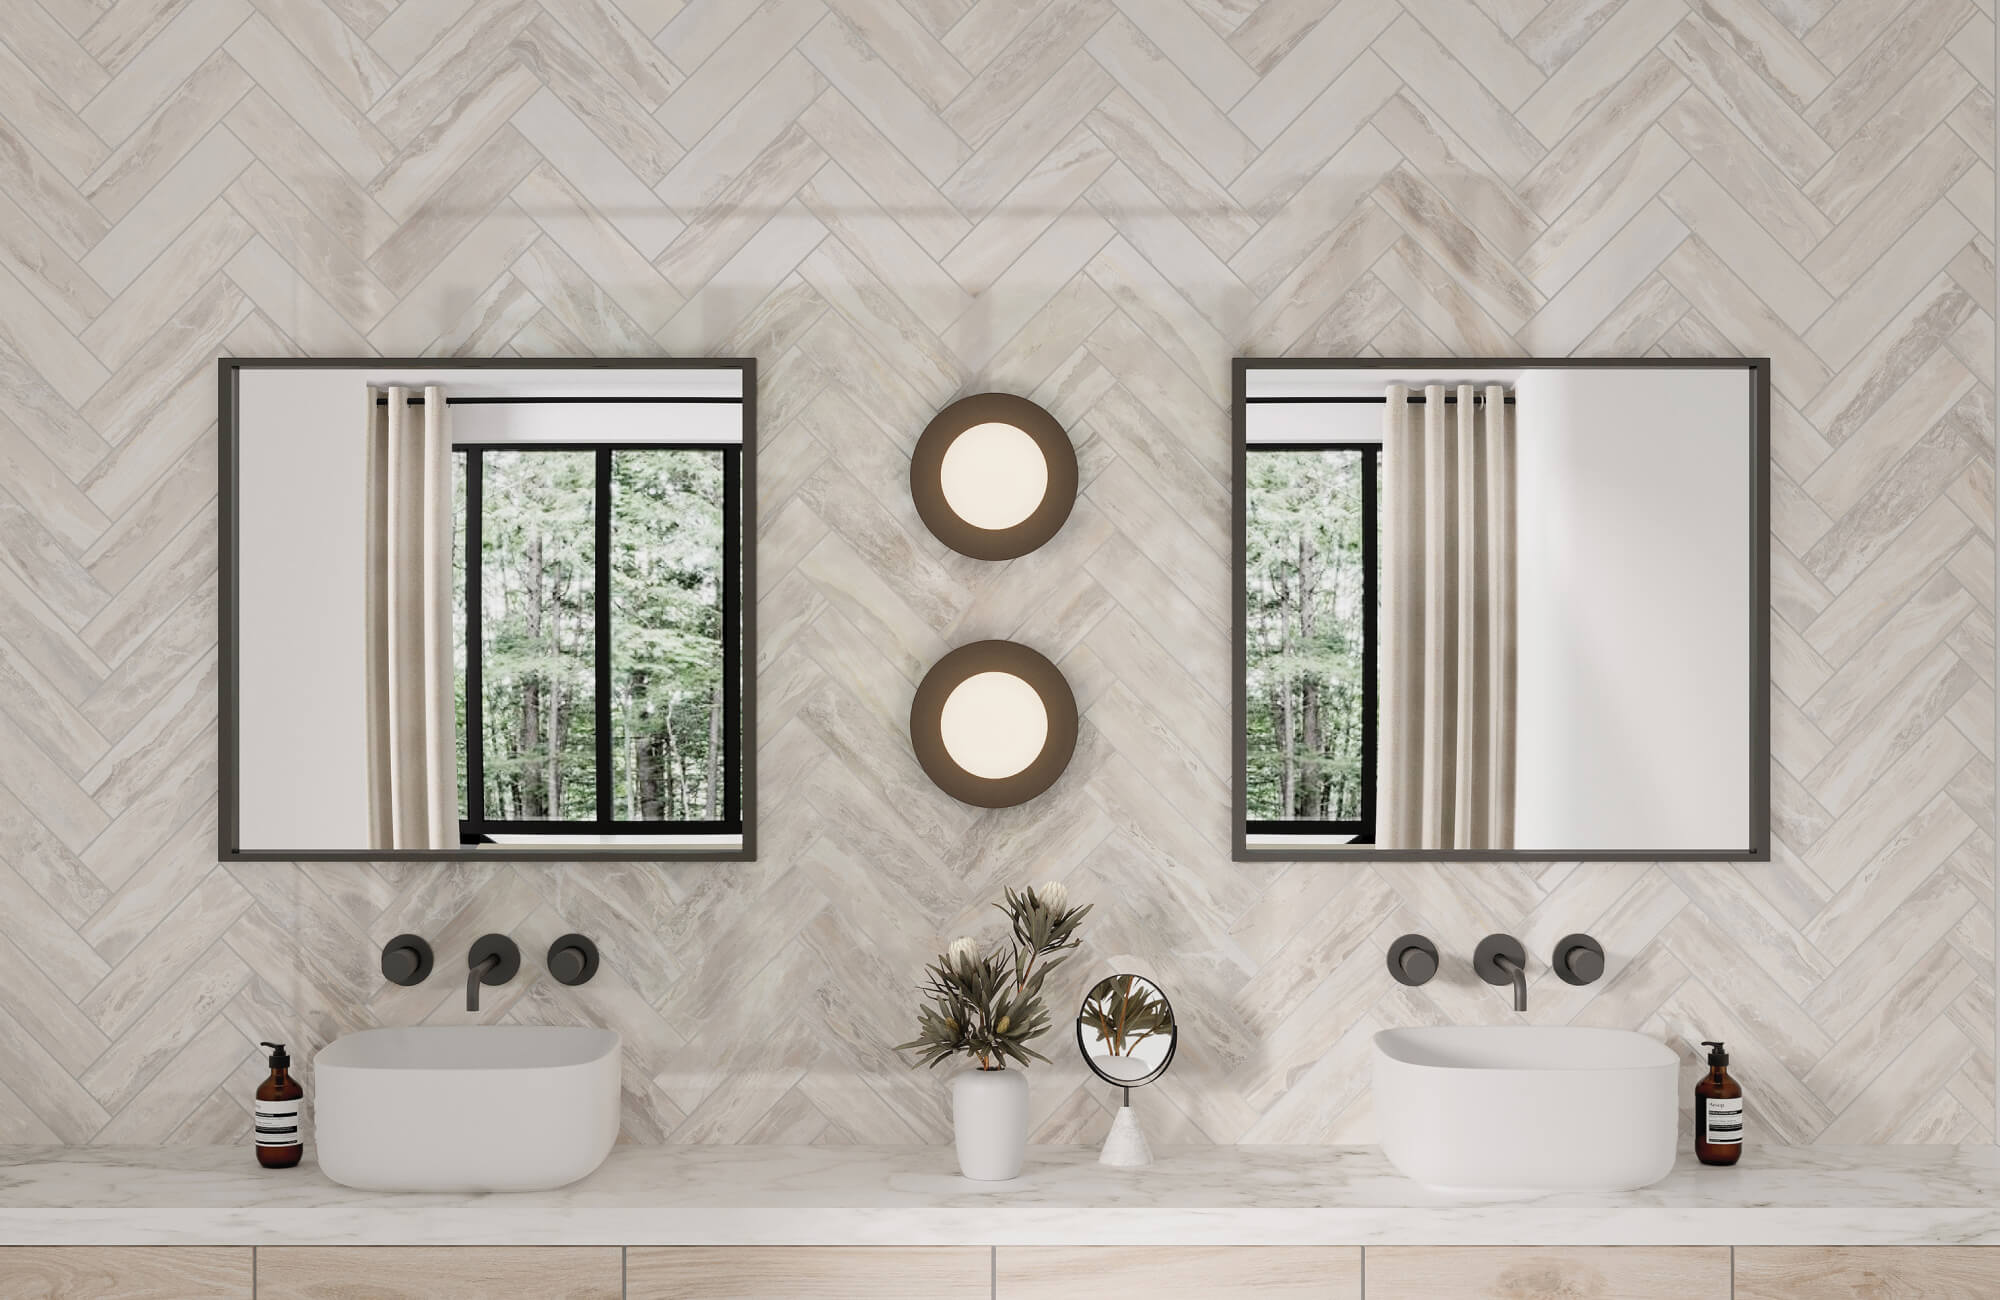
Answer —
(278, 1122)
(1722, 1121)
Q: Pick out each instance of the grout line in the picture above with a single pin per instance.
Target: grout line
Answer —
(624, 1272)
(253, 1273)
(993, 1273)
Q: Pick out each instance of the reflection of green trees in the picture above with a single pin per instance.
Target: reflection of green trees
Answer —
(666, 634)
(538, 623)
(1303, 592)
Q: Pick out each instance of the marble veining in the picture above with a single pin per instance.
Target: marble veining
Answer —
(912, 1195)
(1095, 205)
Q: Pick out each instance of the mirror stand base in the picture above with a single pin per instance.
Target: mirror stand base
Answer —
(1126, 1146)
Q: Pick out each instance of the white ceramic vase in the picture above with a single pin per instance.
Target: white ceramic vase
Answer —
(989, 1120)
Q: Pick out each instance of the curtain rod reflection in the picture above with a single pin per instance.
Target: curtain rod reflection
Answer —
(1451, 399)
(493, 401)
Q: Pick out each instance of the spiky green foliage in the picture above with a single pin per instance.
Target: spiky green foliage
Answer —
(988, 1005)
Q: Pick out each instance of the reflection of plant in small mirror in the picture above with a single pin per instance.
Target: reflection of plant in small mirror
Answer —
(1125, 1011)
(988, 1004)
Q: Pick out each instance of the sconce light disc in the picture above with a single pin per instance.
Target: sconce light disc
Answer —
(993, 476)
(993, 724)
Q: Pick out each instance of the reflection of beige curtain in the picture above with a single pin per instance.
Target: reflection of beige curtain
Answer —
(412, 740)
(1447, 700)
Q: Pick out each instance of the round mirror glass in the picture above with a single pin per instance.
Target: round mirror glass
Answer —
(993, 475)
(994, 725)
(1125, 1030)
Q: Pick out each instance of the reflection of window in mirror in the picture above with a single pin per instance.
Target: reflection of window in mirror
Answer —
(1502, 609)
(1310, 573)
(509, 618)
(546, 749)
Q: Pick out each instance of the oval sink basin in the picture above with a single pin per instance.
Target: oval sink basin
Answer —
(1517, 1110)
(466, 1108)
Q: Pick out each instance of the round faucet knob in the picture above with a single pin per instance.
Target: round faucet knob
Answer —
(573, 959)
(406, 960)
(1579, 959)
(1413, 960)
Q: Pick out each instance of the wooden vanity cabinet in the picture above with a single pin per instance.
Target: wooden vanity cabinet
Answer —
(1006, 1273)
(439, 1272)
(125, 1272)
(1548, 1273)
(1810, 1272)
(819, 1272)
(1153, 1272)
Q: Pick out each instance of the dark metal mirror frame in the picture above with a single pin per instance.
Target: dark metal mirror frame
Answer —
(1173, 1039)
(744, 570)
(1759, 776)
(927, 485)
(927, 715)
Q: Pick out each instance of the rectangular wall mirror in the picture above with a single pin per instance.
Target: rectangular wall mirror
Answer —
(1502, 609)
(487, 608)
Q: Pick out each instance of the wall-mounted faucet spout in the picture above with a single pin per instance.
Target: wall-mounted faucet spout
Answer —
(1520, 979)
(1500, 959)
(494, 959)
(475, 977)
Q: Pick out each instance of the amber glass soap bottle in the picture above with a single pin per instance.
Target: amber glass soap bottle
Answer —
(1718, 1111)
(280, 1100)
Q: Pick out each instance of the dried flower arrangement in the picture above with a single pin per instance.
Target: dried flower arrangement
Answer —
(988, 1004)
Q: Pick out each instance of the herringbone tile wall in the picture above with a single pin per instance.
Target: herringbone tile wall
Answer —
(1096, 202)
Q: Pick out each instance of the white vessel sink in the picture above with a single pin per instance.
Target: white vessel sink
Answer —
(1515, 1110)
(466, 1108)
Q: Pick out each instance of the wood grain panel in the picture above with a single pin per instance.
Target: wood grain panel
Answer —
(825, 1273)
(1147, 1272)
(1537, 1273)
(125, 1272)
(438, 1273)
(1875, 1272)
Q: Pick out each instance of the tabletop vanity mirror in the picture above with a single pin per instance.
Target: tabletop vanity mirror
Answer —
(1501, 609)
(487, 608)
(1126, 1034)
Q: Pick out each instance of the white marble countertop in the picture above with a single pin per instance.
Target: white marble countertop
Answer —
(913, 1196)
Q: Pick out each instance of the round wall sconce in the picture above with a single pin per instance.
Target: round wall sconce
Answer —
(993, 724)
(993, 476)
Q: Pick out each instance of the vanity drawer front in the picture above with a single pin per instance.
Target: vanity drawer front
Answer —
(438, 1272)
(1149, 1272)
(1933, 1272)
(818, 1272)
(126, 1272)
(1552, 1273)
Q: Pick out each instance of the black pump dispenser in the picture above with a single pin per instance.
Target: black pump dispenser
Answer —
(279, 1061)
(1716, 1056)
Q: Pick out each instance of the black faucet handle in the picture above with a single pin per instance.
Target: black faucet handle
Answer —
(573, 959)
(1579, 959)
(1413, 960)
(406, 960)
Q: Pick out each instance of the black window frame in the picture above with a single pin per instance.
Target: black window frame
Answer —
(1362, 829)
(475, 827)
